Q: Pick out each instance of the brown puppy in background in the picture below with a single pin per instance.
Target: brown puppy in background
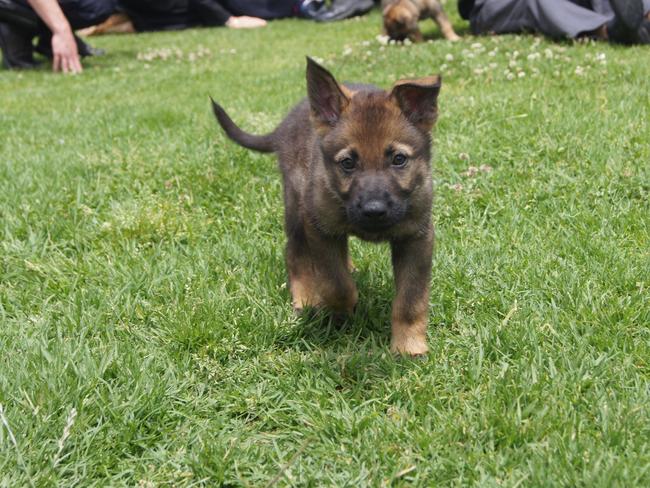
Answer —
(355, 160)
(401, 19)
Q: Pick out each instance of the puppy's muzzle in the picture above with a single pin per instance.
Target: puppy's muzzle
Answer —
(374, 210)
(375, 214)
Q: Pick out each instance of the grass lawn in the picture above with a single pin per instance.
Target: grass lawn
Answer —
(146, 334)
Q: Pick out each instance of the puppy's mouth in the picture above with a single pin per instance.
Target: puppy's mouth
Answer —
(374, 226)
(375, 222)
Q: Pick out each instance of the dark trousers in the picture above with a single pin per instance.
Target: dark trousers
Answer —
(554, 18)
(80, 13)
(153, 15)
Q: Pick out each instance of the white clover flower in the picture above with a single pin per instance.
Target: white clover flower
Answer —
(449, 57)
(382, 39)
(510, 76)
(521, 74)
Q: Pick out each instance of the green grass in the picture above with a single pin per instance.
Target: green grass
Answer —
(142, 275)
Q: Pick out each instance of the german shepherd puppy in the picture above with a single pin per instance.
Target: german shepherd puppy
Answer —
(401, 19)
(355, 160)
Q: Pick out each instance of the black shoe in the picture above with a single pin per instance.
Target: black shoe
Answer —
(44, 47)
(16, 45)
(627, 21)
(86, 50)
(311, 9)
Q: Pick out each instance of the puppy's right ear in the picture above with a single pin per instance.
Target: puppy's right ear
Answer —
(326, 97)
(418, 100)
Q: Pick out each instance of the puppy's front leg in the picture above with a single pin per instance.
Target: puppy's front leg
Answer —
(416, 35)
(412, 269)
(331, 264)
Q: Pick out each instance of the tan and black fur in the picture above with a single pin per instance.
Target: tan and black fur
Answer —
(355, 160)
(401, 19)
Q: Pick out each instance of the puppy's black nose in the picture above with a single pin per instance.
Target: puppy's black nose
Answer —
(374, 209)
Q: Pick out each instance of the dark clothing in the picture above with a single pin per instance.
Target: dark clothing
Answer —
(554, 18)
(153, 15)
(82, 13)
(265, 9)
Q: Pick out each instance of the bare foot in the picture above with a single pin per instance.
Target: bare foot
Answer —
(245, 22)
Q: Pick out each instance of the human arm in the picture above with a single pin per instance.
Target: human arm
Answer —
(64, 46)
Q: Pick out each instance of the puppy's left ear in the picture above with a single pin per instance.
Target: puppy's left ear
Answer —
(418, 100)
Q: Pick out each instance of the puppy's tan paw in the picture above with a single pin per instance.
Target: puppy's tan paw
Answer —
(409, 346)
(302, 295)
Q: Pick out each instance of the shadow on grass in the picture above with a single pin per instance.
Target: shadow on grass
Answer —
(367, 327)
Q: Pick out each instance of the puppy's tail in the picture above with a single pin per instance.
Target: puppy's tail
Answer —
(263, 143)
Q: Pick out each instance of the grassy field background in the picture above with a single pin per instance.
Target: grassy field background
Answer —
(146, 335)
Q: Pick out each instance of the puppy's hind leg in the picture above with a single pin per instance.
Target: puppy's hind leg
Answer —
(440, 17)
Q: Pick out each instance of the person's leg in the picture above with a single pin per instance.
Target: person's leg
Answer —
(262, 9)
(629, 20)
(564, 18)
(18, 26)
(499, 17)
(84, 13)
(157, 15)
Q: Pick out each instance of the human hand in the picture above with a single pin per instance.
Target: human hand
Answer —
(245, 22)
(65, 54)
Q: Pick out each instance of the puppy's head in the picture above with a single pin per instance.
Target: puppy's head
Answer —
(399, 22)
(376, 148)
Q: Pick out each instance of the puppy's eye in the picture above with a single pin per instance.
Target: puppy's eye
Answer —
(348, 164)
(399, 160)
